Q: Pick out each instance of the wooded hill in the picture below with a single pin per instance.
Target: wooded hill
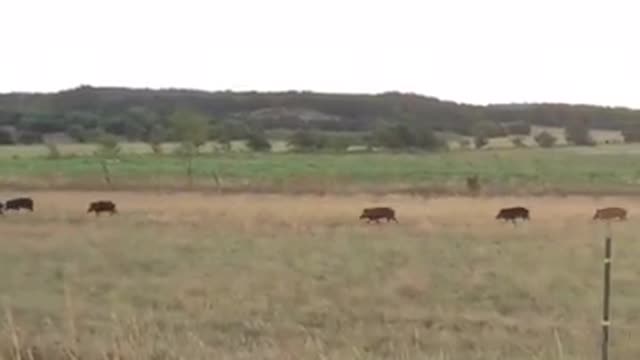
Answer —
(132, 113)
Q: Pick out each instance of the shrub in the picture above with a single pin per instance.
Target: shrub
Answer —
(257, 141)
(518, 142)
(545, 139)
(517, 128)
(631, 133)
(29, 137)
(307, 140)
(577, 133)
(480, 141)
(53, 151)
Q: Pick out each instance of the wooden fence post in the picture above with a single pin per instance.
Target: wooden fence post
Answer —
(606, 295)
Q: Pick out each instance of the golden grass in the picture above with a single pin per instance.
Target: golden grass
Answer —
(201, 276)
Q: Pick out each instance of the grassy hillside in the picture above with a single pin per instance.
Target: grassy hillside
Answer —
(86, 112)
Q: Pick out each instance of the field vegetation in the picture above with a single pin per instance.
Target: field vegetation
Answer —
(604, 169)
(306, 121)
(238, 234)
(186, 275)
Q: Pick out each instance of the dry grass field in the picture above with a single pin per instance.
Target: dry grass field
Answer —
(189, 276)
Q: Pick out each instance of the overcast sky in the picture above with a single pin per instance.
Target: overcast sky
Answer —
(475, 51)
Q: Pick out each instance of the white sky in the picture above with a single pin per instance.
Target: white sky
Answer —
(476, 51)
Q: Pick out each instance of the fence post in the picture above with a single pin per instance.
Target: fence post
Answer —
(607, 293)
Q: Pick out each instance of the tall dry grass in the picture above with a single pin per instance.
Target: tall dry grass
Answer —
(201, 276)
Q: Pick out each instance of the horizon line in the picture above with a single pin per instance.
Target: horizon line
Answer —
(345, 93)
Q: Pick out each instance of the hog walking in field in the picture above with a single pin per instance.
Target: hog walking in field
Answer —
(102, 206)
(378, 213)
(19, 203)
(610, 213)
(513, 213)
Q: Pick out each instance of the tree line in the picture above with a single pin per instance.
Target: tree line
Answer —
(392, 120)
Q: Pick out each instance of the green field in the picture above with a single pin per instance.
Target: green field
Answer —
(612, 168)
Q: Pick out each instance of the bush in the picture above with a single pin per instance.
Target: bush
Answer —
(631, 133)
(191, 127)
(7, 136)
(426, 139)
(338, 143)
(400, 136)
(545, 140)
(78, 133)
(156, 136)
(94, 135)
(29, 137)
(518, 142)
(577, 133)
(307, 140)
(257, 141)
(108, 146)
(52, 148)
(487, 129)
(392, 136)
(480, 141)
(464, 143)
(517, 128)
(186, 149)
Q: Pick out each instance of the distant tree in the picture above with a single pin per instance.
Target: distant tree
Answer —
(464, 143)
(480, 141)
(339, 143)
(487, 129)
(426, 139)
(11, 118)
(41, 123)
(192, 129)
(545, 139)
(577, 133)
(29, 137)
(156, 136)
(517, 128)
(95, 135)
(134, 131)
(225, 141)
(77, 133)
(518, 142)
(257, 141)
(125, 111)
(399, 136)
(483, 130)
(53, 150)
(114, 124)
(108, 149)
(7, 136)
(84, 119)
(232, 130)
(305, 140)
(222, 136)
(631, 133)
(395, 136)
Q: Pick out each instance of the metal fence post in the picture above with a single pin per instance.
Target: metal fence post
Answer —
(607, 293)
